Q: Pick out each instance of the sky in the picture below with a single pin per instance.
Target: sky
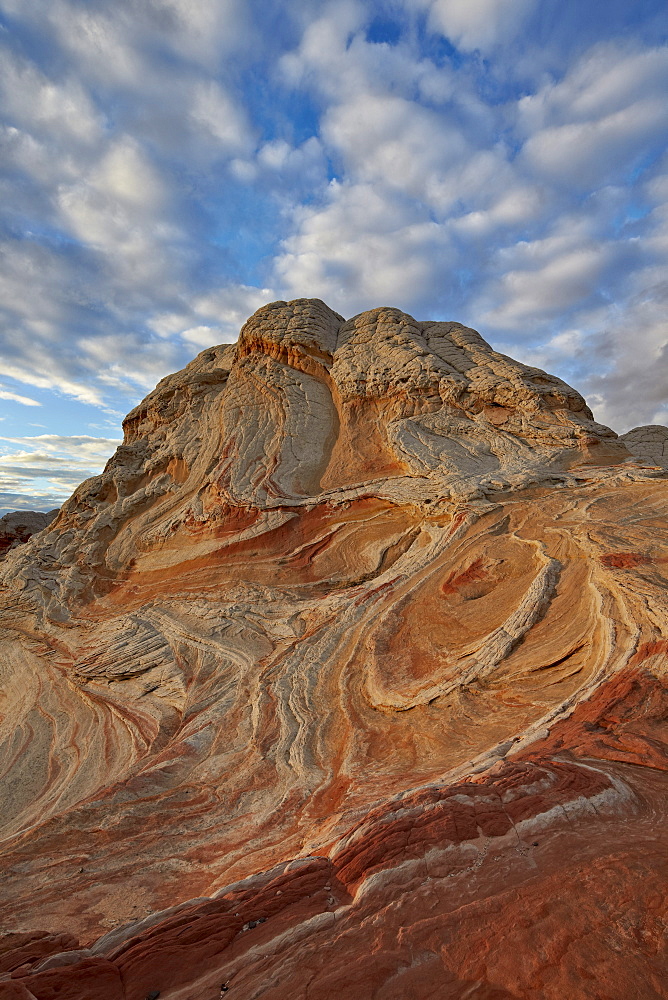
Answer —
(168, 166)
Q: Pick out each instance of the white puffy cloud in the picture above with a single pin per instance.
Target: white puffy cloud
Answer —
(125, 174)
(361, 248)
(517, 206)
(99, 41)
(119, 191)
(317, 60)
(604, 80)
(584, 154)
(380, 233)
(201, 30)
(128, 362)
(477, 24)
(214, 111)
(596, 122)
(202, 336)
(291, 170)
(545, 278)
(36, 320)
(96, 235)
(120, 209)
(213, 318)
(387, 138)
(614, 353)
(117, 43)
(60, 108)
(609, 332)
(433, 212)
(225, 310)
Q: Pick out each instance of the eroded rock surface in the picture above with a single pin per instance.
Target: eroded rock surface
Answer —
(649, 442)
(20, 525)
(347, 678)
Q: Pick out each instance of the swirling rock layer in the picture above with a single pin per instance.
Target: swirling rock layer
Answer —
(346, 678)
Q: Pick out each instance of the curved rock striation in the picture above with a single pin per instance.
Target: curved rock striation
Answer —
(345, 678)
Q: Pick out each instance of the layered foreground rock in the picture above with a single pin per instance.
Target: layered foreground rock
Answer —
(346, 678)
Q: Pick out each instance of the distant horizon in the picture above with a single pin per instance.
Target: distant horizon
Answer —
(172, 165)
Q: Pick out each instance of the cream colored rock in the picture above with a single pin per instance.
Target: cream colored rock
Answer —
(307, 408)
(649, 443)
(336, 569)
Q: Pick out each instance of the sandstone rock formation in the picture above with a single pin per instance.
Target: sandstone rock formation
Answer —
(649, 442)
(346, 678)
(18, 526)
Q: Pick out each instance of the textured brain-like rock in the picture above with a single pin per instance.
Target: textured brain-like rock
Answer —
(345, 678)
(649, 442)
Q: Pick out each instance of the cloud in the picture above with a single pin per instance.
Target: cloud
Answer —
(362, 247)
(627, 349)
(477, 24)
(380, 233)
(46, 468)
(516, 207)
(460, 207)
(118, 198)
(127, 361)
(291, 171)
(213, 110)
(584, 154)
(122, 44)
(80, 448)
(352, 275)
(614, 356)
(50, 108)
(557, 275)
(213, 318)
(229, 308)
(203, 30)
(44, 501)
(607, 78)
(15, 398)
(203, 336)
(120, 210)
(109, 144)
(388, 138)
(324, 40)
(612, 343)
(597, 122)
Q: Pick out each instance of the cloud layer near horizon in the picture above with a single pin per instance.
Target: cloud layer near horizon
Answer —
(170, 165)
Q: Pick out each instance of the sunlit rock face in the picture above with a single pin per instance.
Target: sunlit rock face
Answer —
(346, 678)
